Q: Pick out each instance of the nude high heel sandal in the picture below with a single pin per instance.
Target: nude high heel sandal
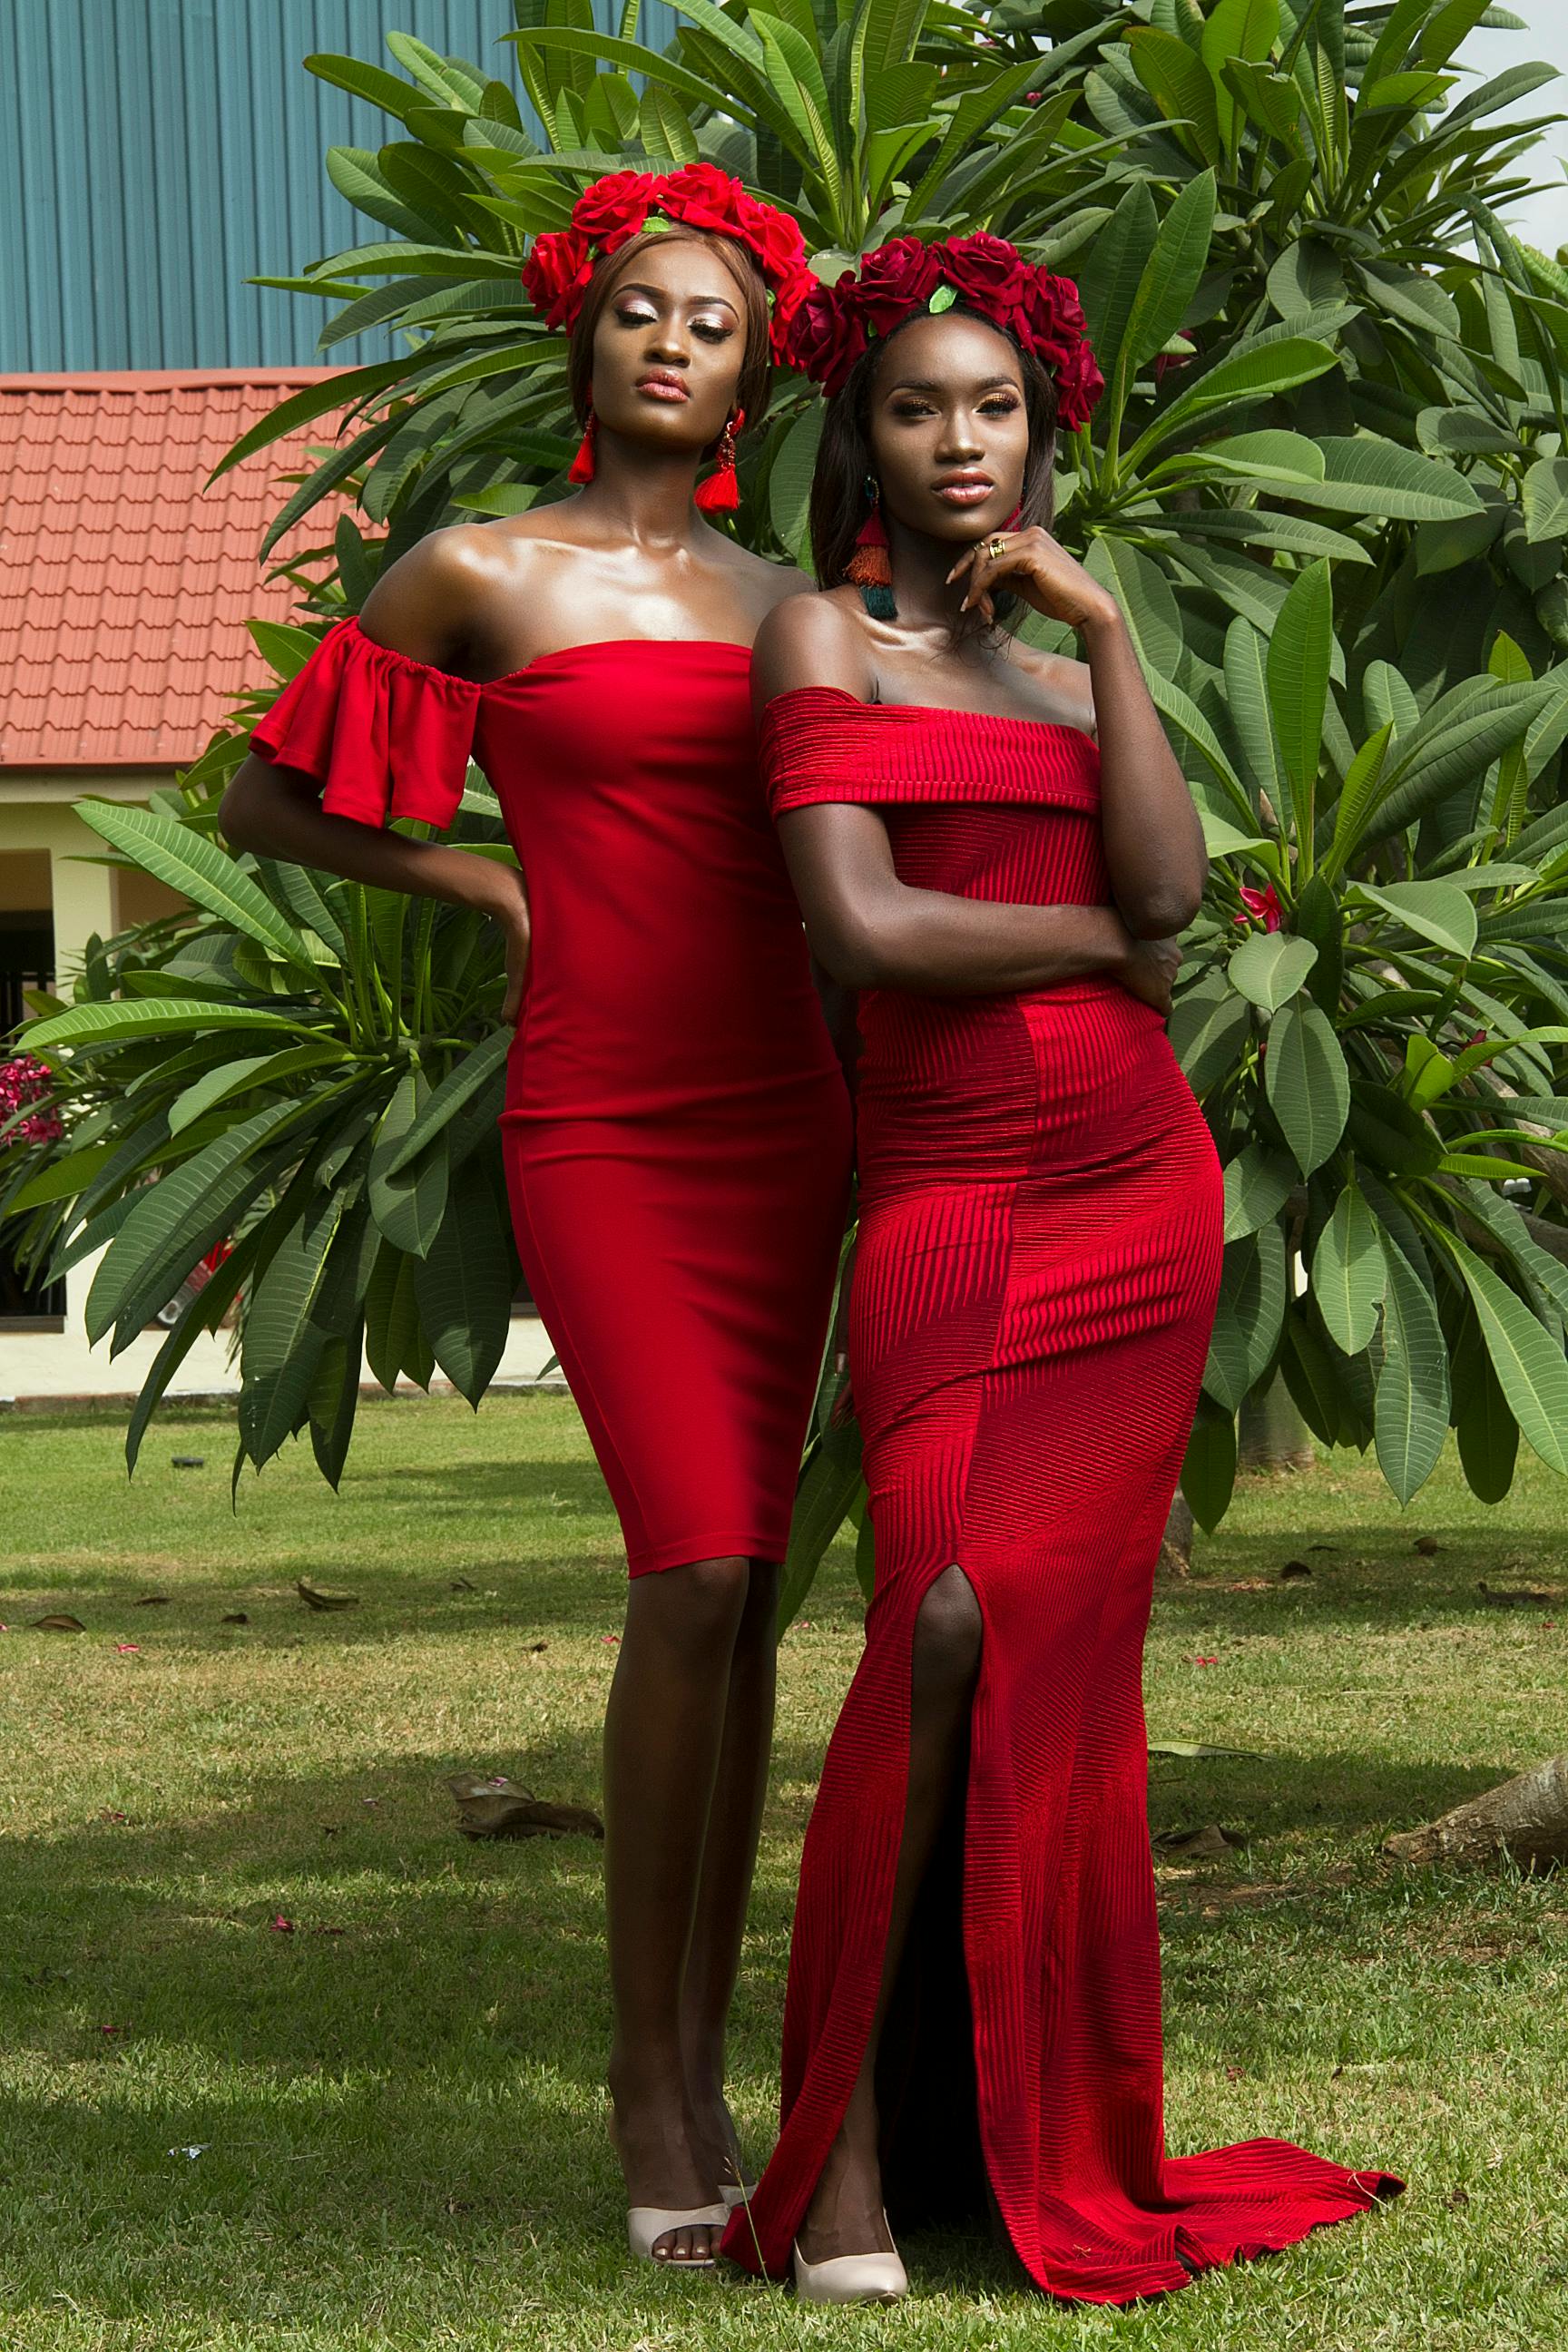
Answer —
(645, 2223)
(850, 2278)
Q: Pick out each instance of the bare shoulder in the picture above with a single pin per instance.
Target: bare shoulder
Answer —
(434, 604)
(1056, 680)
(759, 582)
(811, 639)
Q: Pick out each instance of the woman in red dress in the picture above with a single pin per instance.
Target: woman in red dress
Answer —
(996, 846)
(676, 1127)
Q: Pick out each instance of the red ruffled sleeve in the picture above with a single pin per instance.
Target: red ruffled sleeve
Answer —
(385, 736)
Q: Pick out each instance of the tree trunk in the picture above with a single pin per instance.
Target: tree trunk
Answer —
(1271, 1433)
(1526, 1818)
(1176, 1544)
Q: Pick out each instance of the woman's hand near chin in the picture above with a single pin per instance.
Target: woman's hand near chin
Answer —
(1036, 567)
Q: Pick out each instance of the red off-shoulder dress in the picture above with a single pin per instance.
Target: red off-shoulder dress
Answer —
(676, 1129)
(1040, 1220)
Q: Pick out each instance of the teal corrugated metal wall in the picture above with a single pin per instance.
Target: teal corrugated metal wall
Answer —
(156, 154)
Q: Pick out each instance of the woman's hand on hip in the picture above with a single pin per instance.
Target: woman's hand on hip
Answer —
(1035, 566)
(510, 908)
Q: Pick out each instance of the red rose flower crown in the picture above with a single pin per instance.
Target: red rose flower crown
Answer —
(616, 208)
(829, 327)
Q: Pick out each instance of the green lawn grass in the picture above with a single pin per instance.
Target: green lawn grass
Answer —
(398, 2105)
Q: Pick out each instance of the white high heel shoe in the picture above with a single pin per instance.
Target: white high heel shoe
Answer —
(850, 2278)
(646, 2223)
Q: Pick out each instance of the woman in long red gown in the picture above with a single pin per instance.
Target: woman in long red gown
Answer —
(676, 1127)
(973, 2001)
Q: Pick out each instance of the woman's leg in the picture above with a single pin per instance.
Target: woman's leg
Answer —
(845, 2216)
(734, 1826)
(664, 1731)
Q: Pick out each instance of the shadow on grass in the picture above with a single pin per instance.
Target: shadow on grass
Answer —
(426, 2084)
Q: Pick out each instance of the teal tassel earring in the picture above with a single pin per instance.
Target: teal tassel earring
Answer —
(871, 567)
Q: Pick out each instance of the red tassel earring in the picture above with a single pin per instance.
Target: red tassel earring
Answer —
(721, 493)
(870, 566)
(582, 466)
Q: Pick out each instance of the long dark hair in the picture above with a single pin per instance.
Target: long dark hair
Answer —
(844, 463)
(753, 391)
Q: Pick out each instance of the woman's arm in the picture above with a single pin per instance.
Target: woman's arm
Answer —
(1154, 842)
(868, 929)
(422, 608)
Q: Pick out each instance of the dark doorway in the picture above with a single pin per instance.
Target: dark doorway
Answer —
(26, 961)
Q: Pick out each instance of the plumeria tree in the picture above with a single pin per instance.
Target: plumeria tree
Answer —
(1329, 484)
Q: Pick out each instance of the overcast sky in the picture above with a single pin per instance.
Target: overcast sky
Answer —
(1543, 222)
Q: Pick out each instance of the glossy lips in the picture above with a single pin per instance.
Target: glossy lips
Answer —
(965, 489)
(661, 385)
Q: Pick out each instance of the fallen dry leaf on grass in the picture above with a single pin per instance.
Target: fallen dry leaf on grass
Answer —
(1426, 1545)
(58, 1622)
(497, 1807)
(1206, 1844)
(462, 1584)
(154, 1601)
(234, 1617)
(1293, 1570)
(1528, 1596)
(314, 1597)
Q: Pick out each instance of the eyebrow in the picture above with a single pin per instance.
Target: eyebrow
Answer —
(660, 294)
(988, 383)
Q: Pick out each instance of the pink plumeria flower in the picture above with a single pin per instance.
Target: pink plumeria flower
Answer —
(1262, 907)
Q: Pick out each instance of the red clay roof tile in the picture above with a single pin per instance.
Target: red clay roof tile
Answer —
(124, 587)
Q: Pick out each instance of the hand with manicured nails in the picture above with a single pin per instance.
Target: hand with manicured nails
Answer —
(1036, 567)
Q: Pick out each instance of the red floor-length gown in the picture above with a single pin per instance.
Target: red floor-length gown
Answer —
(676, 1129)
(1039, 1259)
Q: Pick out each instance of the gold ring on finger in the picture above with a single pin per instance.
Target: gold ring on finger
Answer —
(995, 547)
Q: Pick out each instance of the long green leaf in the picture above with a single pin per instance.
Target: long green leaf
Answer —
(1249, 1315)
(461, 1083)
(464, 1284)
(828, 1482)
(1301, 658)
(188, 862)
(96, 1026)
(1307, 1082)
(1258, 1183)
(1529, 1365)
(1208, 1470)
(177, 1220)
(1348, 1274)
(1410, 1417)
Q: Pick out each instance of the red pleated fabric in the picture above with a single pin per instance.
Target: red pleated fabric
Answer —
(676, 1129)
(1040, 1208)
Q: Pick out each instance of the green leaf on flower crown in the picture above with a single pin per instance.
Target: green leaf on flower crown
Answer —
(943, 299)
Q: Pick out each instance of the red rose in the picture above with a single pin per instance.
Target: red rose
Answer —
(826, 335)
(894, 280)
(792, 292)
(1053, 325)
(1079, 385)
(701, 195)
(989, 273)
(615, 206)
(556, 274)
(775, 236)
